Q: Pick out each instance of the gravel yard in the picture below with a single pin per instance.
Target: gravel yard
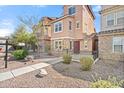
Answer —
(101, 69)
(66, 76)
(15, 64)
(21, 63)
(52, 80)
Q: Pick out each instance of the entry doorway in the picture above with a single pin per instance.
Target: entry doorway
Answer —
(76, 47)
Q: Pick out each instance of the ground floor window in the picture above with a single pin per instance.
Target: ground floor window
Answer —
(58, 44)
(118, 44)
(85, 43)
(71, 45)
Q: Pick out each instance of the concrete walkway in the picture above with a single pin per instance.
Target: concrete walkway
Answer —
(16, 72)
(20, 71)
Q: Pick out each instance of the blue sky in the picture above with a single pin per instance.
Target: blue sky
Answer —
(9, 15)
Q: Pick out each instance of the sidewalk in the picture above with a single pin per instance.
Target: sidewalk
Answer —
(23, 70)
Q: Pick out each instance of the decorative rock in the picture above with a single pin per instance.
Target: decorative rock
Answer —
(29, 58)
(41, 73)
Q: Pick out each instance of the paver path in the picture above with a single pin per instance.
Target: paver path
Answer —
(23, 70)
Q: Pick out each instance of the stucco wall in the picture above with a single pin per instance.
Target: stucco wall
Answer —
(106, 48)
(115, 9)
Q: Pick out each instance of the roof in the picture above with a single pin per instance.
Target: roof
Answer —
(90, 8)
(62, 17)
(111, 31)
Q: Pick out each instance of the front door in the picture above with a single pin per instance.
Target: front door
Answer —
(77, 47)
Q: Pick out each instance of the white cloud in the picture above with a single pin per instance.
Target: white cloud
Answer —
(6, 27)
(39, 6)
(96, 8)
(6, 23)
(5, 32)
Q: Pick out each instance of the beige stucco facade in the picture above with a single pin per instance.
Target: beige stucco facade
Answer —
(112, 9)
(44, 34)
(108, 34)
(84, 17)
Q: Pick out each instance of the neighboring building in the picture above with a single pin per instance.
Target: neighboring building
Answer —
(74, 31)
(44, 34)
(111, 37)
(2, 44)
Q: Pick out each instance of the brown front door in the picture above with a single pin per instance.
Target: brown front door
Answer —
(77, 47)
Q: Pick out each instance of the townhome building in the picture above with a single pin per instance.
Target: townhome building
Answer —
(111, 36)
(43, 34)
(74, 31)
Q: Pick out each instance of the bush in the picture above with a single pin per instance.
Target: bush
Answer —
(103, 84)
(111, 82)
(20, 54)
(67, 58)
(86, 63)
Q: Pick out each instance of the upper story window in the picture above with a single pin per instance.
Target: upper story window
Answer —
(70, 25)
(86, 28)
(77, 24)
(118, 44)
(120, 18)
(110, 19)
(71, 10)
(58, 27)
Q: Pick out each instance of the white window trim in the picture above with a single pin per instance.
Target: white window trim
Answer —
(86, 27)
(72, 45)
(114, 20)
(113, 45)
(58, 44)
(70, 7)
(55, 27)
(76, 24)
(117, 18)
(71, 25)
(84, 44)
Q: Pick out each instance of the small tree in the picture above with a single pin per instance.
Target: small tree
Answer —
(19, 36)
(33, 41)
(34, 25)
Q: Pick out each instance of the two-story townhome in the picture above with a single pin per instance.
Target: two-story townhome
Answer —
(74, 31)
(111, 37)
(43, 33)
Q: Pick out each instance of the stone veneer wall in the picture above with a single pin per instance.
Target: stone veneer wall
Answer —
(105, 47)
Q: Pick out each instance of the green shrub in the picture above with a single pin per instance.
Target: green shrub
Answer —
(67, 58)
(111, 82)
(103, 84)
(20, 54)
(86, 63)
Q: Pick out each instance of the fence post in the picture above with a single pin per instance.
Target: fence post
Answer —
(6, 55)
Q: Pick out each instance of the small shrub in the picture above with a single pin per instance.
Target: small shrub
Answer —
(67, 58)
(20, 54)
(111, 82)
(103, 84)
(86, 63)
